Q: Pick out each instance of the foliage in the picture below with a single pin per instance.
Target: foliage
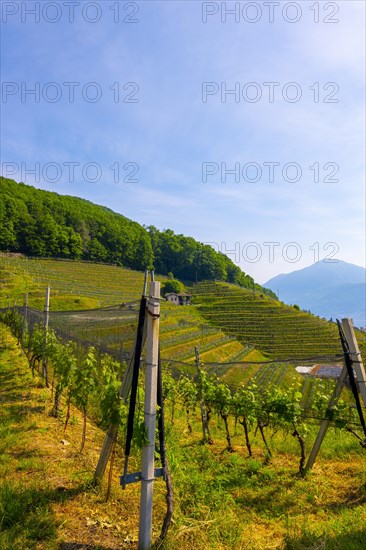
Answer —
(263, 406)
(173, 285)
(64, 366)
(76, 372)
(222, 500)
(112, 407)
(44, 224)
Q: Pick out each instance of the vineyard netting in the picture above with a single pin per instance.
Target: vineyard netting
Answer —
(110, 330)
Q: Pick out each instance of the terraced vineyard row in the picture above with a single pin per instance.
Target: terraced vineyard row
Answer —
(228, 324)
(270, 374)
(107, 284)
(82, 285)
(255, 319)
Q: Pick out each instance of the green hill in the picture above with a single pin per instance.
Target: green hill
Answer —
(230, 325)
(44, 224)
(79, 285)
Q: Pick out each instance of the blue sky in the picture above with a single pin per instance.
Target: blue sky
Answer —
(175, 140)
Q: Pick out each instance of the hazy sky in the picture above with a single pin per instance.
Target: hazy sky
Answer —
(239, 123)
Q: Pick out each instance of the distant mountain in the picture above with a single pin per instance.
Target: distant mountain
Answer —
(329, 289)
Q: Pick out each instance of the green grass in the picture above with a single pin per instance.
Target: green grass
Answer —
(25, 511)
(226, 500)
(222, 500)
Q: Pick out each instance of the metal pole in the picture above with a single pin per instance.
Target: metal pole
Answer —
(144, 291)
(148, 450)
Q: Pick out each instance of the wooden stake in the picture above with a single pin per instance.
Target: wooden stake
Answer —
(25, 318)
(148, 450)
(325, 423)
(112, 430)
(123, 393)
(46, 322)
(201, 398)
(356, 360)
(355, 357)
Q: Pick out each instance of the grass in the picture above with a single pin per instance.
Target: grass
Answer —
(222, 500)
(46, 495)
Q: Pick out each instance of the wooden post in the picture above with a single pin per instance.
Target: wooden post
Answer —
(325, 423)
(25, 320)
(123, 393)
(355, 356)
(46, 322)
(148, 450)
(112, 430)
(25, 317)
(201, 397)
(356, 361)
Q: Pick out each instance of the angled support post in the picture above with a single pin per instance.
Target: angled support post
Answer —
(124, 391)
(355, 357)
(356, 364)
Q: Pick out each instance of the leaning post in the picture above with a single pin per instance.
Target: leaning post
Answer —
(325, 422)
(355, 357)
(123, 393)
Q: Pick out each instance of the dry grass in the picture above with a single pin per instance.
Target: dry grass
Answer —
(38, 457)
(222, 500)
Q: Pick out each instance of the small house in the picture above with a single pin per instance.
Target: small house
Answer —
(178, 299)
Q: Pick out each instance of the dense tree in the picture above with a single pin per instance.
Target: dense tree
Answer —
(173, 285)
(45, 224)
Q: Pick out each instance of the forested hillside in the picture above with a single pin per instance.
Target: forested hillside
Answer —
(44, 224)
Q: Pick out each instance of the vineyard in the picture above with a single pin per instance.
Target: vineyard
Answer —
(265, 323)
(225, 321)
(254, 445)
(247, 418)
